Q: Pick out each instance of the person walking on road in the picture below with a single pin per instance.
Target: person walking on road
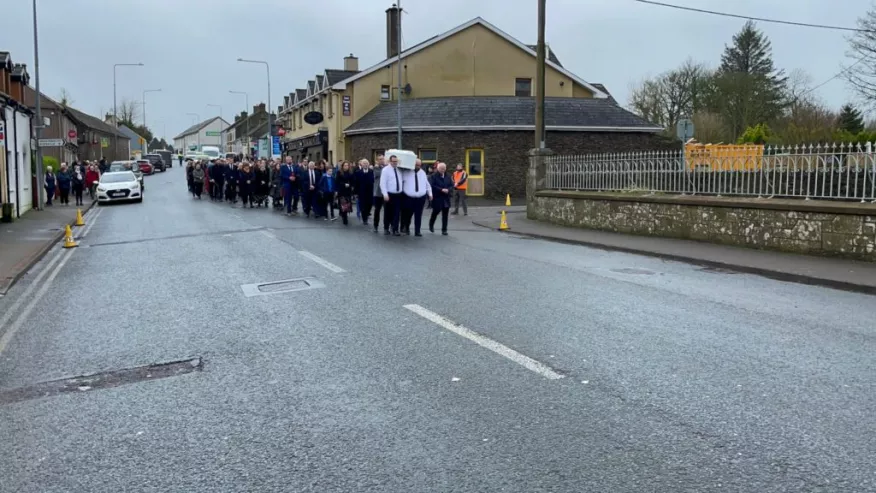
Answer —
(198, 180)
(288, 183)
(246, 184)
(416, 188)
(377, 195)
(77, 180)
(49, 185)
(64, 182)
(460, 185)
(309, 193)
(442, 186)
(346, 186)
(327, 189)
(364, 179)
(391, 185)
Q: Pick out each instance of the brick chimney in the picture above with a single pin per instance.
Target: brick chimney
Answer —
(392, 16)
(351, 63)
(5, 71)
(258, 108)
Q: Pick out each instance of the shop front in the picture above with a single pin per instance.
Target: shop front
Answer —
(311, 147)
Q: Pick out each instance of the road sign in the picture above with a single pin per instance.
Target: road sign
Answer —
(104, 142)
(684, 129)
(2, 134)
(212, 133)
(51, 142)
(71, 134)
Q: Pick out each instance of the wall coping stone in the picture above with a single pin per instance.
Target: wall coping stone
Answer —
(797, 205)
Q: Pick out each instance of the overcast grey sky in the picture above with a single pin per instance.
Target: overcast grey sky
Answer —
(190, 47)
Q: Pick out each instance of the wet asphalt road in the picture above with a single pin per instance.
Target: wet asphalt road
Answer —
(675, 378)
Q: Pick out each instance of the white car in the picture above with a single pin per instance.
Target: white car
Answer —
(119, 186)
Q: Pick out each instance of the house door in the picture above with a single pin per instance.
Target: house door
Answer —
(474, 167)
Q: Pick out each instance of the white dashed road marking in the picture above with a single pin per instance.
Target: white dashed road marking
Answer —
(321, 261)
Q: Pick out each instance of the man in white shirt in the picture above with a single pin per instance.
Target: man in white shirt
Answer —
(415, 184)
(391, 186)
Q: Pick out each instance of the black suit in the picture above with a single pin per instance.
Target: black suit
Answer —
(440, 200)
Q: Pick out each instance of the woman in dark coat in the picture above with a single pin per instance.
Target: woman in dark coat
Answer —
(276, 186)
(77, 180)
(198, 179)
(64, 182)
(50, 185)
(262, 184)
(346, 184)
(189, 180)
(442, 187)
(246, 184)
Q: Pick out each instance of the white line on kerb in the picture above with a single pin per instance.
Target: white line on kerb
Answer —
(91, 220)
(30, 288)
(7, 336)
(325, 263)
(498, 348)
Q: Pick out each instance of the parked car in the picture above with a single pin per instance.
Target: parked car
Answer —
(116, 166)
(158, 163)
(145, 166)
(119, 186)
(167, 157)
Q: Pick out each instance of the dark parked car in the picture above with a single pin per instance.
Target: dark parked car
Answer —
(166, 156)
(128, 166)
(157, 163)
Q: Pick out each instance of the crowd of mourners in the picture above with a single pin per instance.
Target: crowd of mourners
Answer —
(322, 189)
(81, 177)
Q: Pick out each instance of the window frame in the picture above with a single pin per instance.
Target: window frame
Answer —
(375, 153)
(517, 80)
(427, 149)
(385, 96)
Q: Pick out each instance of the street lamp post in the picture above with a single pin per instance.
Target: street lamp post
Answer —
(220, 122)
(144, 112)
(198, 120)
(41, 195)
(115, 114)
(268, 67)
(246, 102)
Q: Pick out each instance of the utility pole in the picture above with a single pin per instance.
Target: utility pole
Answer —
(539, 80)
(399, 62)
(115, 114)
(40, 169)
(270, 137)
(146, 146)
(246, 108)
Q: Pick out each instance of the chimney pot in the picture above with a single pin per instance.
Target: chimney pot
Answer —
(351, 63)
(392, 21)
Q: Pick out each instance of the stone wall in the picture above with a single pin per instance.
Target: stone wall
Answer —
(505, 153)
(840, 229)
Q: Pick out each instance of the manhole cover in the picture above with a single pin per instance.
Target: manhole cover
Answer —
(640, 272)
(285, 286)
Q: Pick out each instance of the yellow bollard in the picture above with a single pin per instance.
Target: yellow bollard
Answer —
(68, 238)
(504, 224)
(508, 200)
(79, 220)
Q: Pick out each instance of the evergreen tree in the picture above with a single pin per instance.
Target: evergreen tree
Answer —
(748, 89)
(850, 119)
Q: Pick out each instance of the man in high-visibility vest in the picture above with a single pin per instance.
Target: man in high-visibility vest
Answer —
(460, 179)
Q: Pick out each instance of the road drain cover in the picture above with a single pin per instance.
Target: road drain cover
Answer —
(641, 272)
(285, 286)
(103, 380)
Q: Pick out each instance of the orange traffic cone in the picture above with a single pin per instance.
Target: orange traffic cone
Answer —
(508, 200)
(504, 224)
(79, 220)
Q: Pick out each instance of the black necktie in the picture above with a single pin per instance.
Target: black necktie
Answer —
(397, 188)
(416, 182)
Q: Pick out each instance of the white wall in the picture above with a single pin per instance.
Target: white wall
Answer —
(201, 138)
(18, 155)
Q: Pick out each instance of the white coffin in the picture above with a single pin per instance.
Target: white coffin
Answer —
(406, 159)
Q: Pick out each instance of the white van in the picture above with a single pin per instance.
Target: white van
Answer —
(211, 151)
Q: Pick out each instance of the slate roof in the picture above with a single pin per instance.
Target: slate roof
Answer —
(94, 123)
(550, 54)
(310, 87)
(197, 127)
(499, 113)
(319, 81)
(5, 58)
(301, 94)
(335, 76)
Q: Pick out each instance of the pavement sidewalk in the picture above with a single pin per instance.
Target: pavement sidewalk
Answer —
(842, 274)
(26, 240)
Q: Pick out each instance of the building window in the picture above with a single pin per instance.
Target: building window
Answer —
(474, 160)
(374, 154)
(428, 156)
(384, 93)
(523, 87)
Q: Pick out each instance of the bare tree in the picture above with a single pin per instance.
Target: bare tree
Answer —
(861, 73)
(128, 111)
(673, 95)
(64, 98)
(806, 119)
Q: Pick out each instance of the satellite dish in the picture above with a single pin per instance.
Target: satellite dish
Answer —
(313, 118)
(407, 89)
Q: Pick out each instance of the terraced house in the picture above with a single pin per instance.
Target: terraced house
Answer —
(467, 97)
